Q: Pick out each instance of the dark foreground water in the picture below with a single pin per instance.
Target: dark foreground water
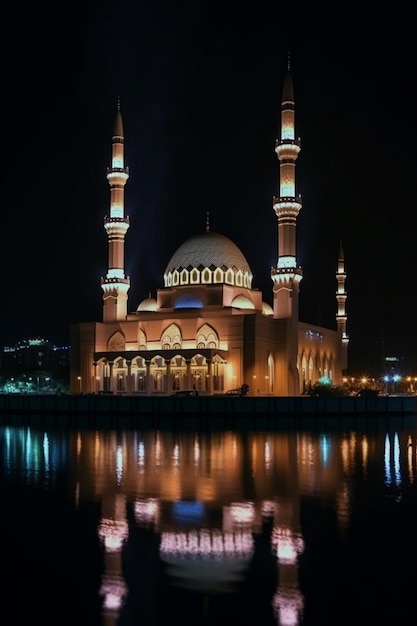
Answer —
(146, 528)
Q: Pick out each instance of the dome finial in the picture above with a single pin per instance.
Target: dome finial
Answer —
(207, 221)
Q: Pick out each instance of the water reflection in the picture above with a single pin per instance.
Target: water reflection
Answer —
(218, 522)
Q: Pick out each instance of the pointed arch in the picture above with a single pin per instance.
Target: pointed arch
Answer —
(218, 275)
(117, 342)
(230, 277)
(195, 276)
(310, 369)
(206, 276)
(142, 341)
(207, 337)
(171, 337)
(271, 373)
(303, 372)
(175, 278)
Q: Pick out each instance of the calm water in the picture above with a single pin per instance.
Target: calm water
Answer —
(150, 528)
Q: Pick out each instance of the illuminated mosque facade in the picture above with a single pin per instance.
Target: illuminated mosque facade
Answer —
(208, 328)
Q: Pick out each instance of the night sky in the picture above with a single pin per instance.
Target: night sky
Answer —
(200, 88)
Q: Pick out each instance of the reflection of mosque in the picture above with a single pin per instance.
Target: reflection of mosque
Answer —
(217, 516)
(207, 517)
(183, 516)
(220, 514)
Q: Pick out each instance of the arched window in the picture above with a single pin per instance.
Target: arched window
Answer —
(172, 337)
(116, 343)
(207, 335)
(141, 340)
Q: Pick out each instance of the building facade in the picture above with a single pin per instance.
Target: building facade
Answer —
(208, 328)
(33, 354)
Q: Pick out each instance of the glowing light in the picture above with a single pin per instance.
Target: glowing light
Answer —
(188, 510)
(268, 508)
(141, 454)
(288, 605)
(365, 454)
(410, 460)
(325, 380)
(387, 460)
(314, 336)
(176, 454)
(287, 545)
(206, 543)
(158, 450)
(397, 470)
(287, 131)
(196, 452)
(147, 511)
(267, 455)
(116, 211)
(113, 589)
(325, 448)
(242, 512)
(119, 465)
(116, 273)
(46, 452)
(287, 261)
(117, 161)
(113, 533)
(287, 190)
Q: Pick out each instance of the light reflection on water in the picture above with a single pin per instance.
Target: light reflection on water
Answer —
(272, 528)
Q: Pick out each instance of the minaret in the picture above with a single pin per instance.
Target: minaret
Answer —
(116, 285)
(341, 306)
(287, 274)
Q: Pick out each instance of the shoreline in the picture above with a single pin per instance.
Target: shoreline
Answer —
(259, 412)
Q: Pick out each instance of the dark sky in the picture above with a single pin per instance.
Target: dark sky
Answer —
(200, 86)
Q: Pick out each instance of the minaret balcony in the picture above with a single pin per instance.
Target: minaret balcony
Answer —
(287, 206)
(116, 226)
(115, 285)
(287, 149)
(116, 220)
(286, 275)
(117, 174)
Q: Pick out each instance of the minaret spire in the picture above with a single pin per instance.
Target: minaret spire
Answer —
(341, 297)
(116, 285)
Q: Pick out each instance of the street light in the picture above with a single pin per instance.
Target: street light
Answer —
(80, 382)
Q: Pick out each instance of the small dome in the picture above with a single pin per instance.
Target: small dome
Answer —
(209, 251)
(148, 304)
(267, 309)
(242, 302)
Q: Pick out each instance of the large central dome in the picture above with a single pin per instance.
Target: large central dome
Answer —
(208, 258)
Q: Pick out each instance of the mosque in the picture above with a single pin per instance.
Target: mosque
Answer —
(208, 328)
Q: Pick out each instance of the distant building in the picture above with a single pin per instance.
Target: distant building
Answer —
(35, 354)
(208, 328)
